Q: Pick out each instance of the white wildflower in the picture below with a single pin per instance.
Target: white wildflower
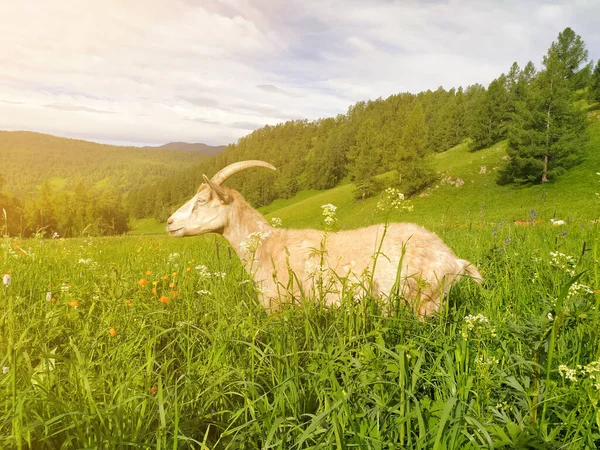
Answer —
(563, 262)
(173, 257)
(219, 274)
(569, 374)
(250, 245)
(6, 279)
(85, 261)
(203, 292)
(550, 317)
(5, 370)
(276, 222)
(55, 235)
(329, 214)
(203, 271)
(48, 296)
(393, 199)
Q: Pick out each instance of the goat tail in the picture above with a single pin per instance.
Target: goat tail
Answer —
(471, 271)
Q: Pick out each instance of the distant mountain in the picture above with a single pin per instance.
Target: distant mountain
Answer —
(28, 158)
(187, 147)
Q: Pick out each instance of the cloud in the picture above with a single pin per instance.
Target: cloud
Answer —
(67, 107)
(275, 90)
(155, 71)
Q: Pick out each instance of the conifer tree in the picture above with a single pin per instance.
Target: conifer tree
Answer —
(414, 167)
(548, 133)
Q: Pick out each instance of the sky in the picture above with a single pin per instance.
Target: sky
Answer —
(148, 72)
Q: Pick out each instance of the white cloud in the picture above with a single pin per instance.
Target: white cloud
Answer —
(209, 71)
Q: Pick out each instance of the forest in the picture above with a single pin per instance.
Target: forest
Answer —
(541, 112)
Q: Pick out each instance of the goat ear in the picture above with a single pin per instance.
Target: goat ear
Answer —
(223, 196)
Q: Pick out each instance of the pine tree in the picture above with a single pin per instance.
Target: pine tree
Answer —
(548, 134)
(414, 167)
(595, 83)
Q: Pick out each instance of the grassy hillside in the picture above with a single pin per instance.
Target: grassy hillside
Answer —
(30, 158)
(479, 199)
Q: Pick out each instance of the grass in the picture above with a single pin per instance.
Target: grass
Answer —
(209, 369)
(92, 357)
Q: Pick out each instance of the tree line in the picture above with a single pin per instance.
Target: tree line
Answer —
(541, 112)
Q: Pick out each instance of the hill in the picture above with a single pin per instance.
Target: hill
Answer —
(479, 199)
(188, 147)
(29, 158)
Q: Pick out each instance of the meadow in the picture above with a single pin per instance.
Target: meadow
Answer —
(143, 341)
(151, 342)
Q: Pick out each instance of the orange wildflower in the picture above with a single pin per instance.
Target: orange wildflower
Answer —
(154, 291)
(171, 285)
(188, 269)
(174, 294)
(74, 304)
(53, 300)
(164, 299)
(143, 282)
(153, 390)
(112, 332)
(148, 272)
(174, 274)
(166, 277)
(128, 302)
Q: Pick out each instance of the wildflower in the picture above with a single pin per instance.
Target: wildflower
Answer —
(203, 271)
(74, 304)
(276, 222)
(174, 294)
(174, 274)
(153, 390)
(173, 257)
(507, 242)
(48, 296)
(188, 269)
(219, 274)
(393, 199)
(250, 245)
(569, 374)
(112, 332)
(128, 302)
(55, 235)
(143, 282)
(148, 272)
(550, 317)
(171, 285)
(155, 283)
(203, 292)
(6, 279)
(5, 370)
(164, 299)
(165, 277)
(563, 262)
(53, 300)
(329, 214)
(154, 291)
(85, 261)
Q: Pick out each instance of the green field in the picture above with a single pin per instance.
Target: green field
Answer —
(149, 342)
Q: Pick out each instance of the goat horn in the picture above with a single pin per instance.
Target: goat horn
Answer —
(234, 168)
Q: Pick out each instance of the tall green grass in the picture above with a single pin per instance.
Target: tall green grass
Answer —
(109, 365)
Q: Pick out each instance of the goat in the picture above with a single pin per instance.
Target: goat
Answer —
(401, 258)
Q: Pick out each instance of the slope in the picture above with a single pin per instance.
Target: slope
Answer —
(29, 158)
(573, 196)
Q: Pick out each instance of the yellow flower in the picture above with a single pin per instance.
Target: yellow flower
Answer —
(112, 332)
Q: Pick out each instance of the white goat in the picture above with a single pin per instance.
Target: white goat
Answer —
(403, 258)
